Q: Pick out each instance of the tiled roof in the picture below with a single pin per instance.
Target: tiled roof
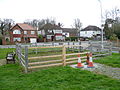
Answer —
(25, 26)
(70, 30)
(50, 27)
(91, 28)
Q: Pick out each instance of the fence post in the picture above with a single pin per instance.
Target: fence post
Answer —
(52, 43)
(73, 46)
(17, 49)
(110, 48)
(68, 44)
(90, 46)
(26, 59)
(79, 46)
(64, 55)
(119, 51)
(36, 48)
(19, 53)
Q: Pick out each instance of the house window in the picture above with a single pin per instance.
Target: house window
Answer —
(16, 39)
(57, 31)
(32, 32)
(86, 32)
(50, 31)
(25, 32)
(49, 36)
(16, 32)
(39, 32)
(59, 38)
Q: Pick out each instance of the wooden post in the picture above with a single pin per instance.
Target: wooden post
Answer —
(17, 49)
(119, 50)
(19, 53)
(90, 46)
(52, 43)
(73, 46)
(110, 48)
(68, 44)
(117, 42)
(64, 55)
(36, 48)
(79, 47)
(26, 59)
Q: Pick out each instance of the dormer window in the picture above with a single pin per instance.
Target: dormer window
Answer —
(16, 32)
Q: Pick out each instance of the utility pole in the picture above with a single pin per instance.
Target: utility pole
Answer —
(101, 24)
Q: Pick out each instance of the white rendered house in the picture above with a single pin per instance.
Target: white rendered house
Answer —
(90, 31)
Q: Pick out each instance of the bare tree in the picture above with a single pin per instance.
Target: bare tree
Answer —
(5, 24)
(50, 20)
(107, 14)
(38, 23)
(112, 14)
(33, 22)
(60, 24)
(111, 18)
(77, 24)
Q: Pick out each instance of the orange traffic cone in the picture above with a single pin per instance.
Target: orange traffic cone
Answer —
(87, 61)
(90, 65)
(79, 65)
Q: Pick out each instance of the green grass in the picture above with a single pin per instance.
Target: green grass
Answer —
(4, 51)
(113, 60)
(54, 78)
(46, 51)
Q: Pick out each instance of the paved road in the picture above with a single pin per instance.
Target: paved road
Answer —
(83, 43)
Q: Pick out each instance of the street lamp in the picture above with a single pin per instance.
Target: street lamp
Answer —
(101, 24)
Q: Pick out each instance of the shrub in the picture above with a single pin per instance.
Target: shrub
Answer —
(71, 38)
(113, 37)
(0, 41)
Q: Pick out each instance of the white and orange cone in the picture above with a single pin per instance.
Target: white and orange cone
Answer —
(79, 65)
(90, 65)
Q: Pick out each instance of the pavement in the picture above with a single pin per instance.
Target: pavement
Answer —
(102, 69)
(2, 62)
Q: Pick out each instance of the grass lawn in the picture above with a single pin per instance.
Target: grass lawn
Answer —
(54, 78)
(113, 60)
(4, 51)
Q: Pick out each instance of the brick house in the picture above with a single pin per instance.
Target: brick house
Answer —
(51, 32)
(69, 32)
(23, 33)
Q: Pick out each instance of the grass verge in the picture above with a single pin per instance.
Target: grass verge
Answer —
(4, 51)
(113, 60)
(54, 78)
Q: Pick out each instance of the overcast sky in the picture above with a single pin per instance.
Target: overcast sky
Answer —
(64, 11)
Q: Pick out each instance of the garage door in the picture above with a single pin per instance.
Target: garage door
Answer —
(33, 40)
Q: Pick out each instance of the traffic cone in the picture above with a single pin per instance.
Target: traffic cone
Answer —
(79, 65)
(87, 61)
(90, 65)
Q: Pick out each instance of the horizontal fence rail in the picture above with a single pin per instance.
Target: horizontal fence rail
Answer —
(62, 55)
(23, 57)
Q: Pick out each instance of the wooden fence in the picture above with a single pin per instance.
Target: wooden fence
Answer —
(99, 49)
(22, 56)
(30, 63)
